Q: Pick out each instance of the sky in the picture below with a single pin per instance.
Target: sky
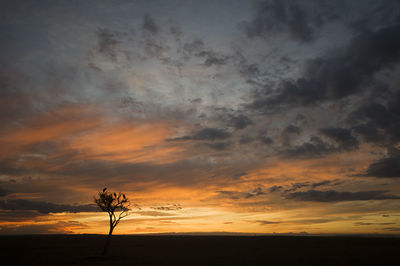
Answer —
(212, 116)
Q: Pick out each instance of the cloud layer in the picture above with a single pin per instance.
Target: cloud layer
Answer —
(243, 116)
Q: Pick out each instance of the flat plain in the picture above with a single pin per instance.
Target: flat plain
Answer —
(199, 250)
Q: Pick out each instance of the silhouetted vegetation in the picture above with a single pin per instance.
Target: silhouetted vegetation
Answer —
(117, 207)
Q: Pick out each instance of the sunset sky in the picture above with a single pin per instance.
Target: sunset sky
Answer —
(212, 116)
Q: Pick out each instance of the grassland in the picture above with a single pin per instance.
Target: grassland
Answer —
(199, 250)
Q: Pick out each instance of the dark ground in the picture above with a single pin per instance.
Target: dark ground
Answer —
(199, 250)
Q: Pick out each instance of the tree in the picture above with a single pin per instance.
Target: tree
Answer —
(117, 207)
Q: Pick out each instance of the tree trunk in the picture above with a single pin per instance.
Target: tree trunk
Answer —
(107, 244)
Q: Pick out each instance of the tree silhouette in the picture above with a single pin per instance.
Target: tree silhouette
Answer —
(117, 207)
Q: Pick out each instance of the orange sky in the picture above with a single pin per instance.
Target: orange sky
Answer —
(176, 175)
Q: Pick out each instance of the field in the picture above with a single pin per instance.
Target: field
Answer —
(199, 250)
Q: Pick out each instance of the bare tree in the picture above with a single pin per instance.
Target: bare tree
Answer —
(117, 207)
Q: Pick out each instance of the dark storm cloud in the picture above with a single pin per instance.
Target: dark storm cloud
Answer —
(240, 121)
(369, 132)
(279, 16)
(342, 136)
(335, 196)
(377, 122)
(149, 25)
(338, 75)
(289, 132)
(387, 167)
(314, 148)
(206, 134)
(45, 207)
(375, 114)
(380, 12)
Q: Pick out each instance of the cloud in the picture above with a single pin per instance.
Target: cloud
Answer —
(275, 188)
(235, 195)
(45, 207)
(197, 48)
(364, 223)
(377, 122)
(246, 139)
(172, 207)
(219, 146)
(322, 183)
(289, 132)
(149, 25)
(153, 213)
(337, 75)
(342, 136)
(238, 176)
(240, 121)
(392, 229)
(200, 81)
(194, 48)
(53, 228)
(296, 186)
(206, 134)
(386, 167)
(314, 148)
(18, 215)
(291, 129)
(301, 221)
(336, 196)
(212, 58)
(247, 70)
(265, 139)
(264, 222)
(369, 132)
(317, 148)
(274, 17)
(108, 41)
